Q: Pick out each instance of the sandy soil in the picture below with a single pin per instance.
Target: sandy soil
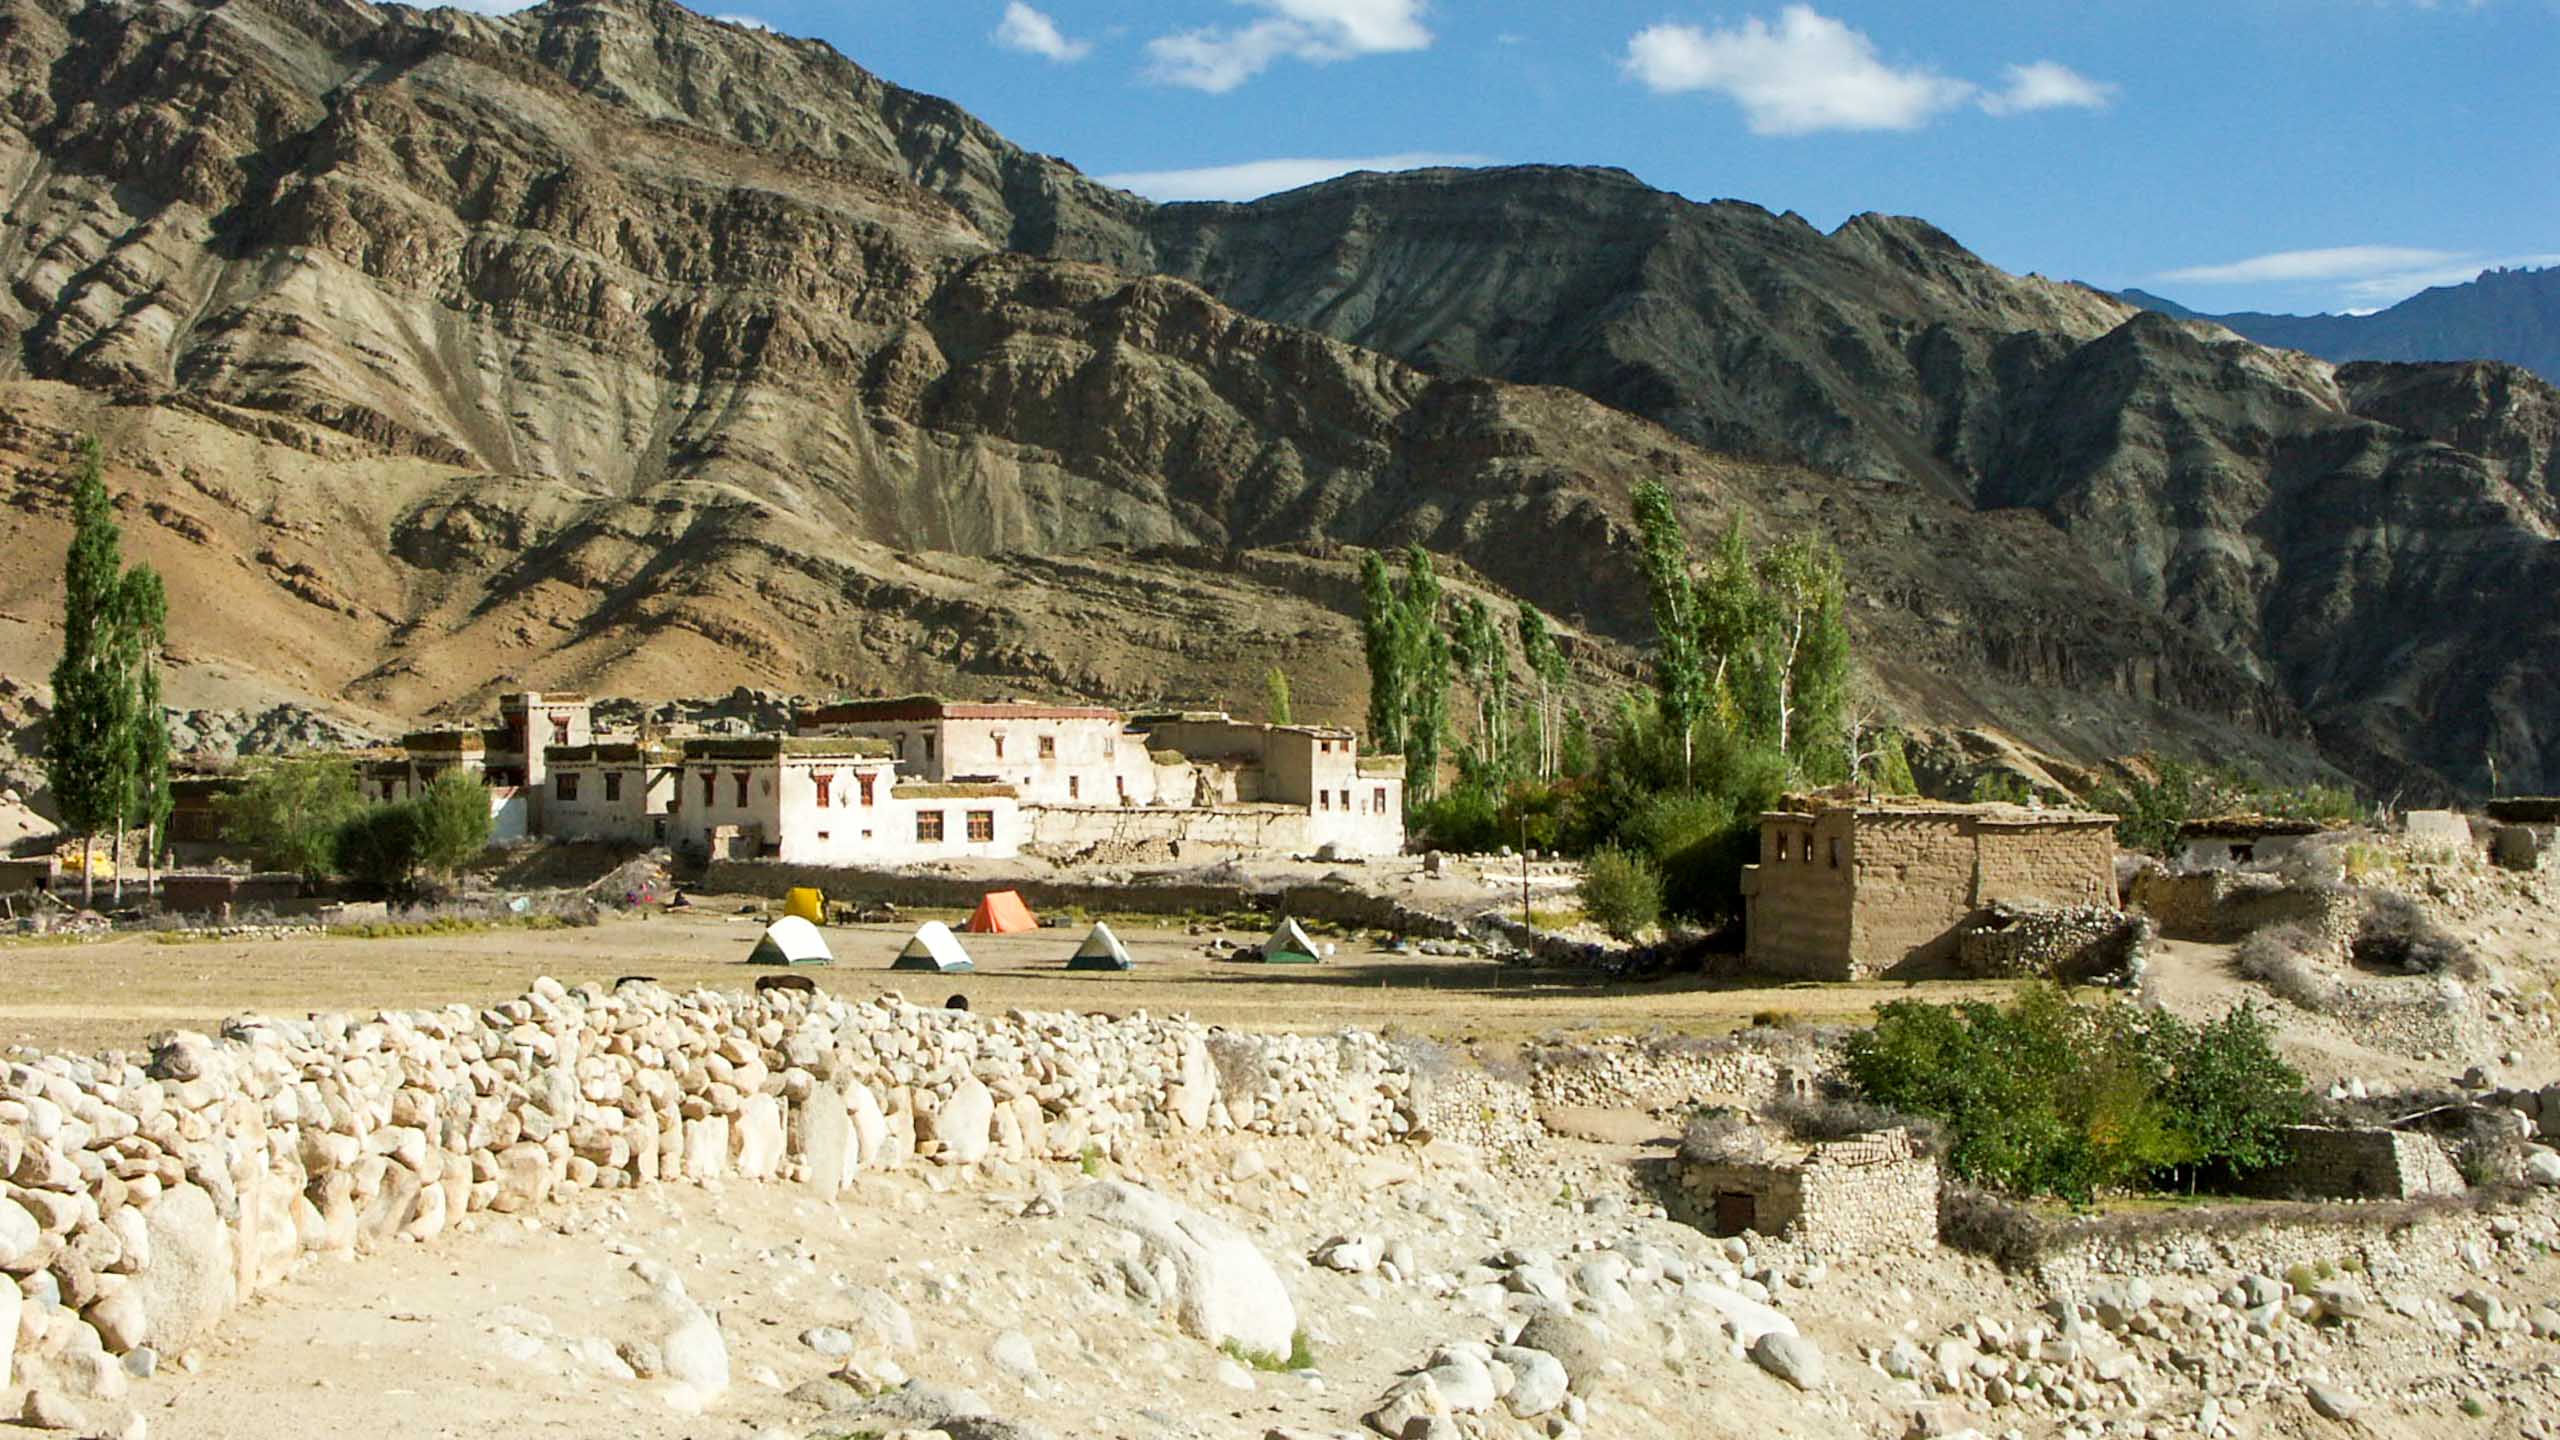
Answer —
(91, 995)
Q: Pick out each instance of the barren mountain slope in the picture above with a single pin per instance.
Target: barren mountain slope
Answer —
(678, 409)
(696, 339)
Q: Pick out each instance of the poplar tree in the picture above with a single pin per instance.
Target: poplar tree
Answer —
(1275, 688)
(88, 753)
(1546, 664)
(1408, 657)
(145, 607)
(1680, 668)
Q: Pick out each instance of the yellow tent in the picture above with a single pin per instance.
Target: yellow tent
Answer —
(807, 903)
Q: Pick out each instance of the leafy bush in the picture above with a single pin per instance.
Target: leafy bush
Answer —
(453, 822)
(288, 813)
(2046, 1097)
(2283, 958)
(1621, 892)
(2397, 933)
(379, 849)
(1833, 1117)
(1720, 1136)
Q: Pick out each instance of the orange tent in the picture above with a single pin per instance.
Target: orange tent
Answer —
(1001, 912)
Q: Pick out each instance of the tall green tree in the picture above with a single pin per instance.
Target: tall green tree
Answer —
(1682, 671)
(145, 633)
(88, 750)
(1476, 644)
(453, 818)
(1427, 658)
(1381, 639)
(1546, 663)
(1275, 690)
(1408, 653)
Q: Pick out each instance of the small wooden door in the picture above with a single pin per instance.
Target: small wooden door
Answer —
(1736, 1212)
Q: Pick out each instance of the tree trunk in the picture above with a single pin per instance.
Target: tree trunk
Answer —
(115, 849)
(88, 869)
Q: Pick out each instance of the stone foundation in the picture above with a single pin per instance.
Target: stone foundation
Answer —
(2220, 906)
(2058, 942)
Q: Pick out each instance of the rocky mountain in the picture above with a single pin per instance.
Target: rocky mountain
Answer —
(2511, 315)
(607, 345)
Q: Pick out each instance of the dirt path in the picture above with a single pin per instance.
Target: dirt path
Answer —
(113, 993)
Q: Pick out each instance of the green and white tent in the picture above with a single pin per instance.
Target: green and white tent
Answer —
(1101, 950)
(791, 941)
(1289, 945)
(936, 949)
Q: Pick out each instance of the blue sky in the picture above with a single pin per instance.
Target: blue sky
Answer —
(2240, 154)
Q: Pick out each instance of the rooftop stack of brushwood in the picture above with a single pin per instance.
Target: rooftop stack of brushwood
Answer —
(140, 1200)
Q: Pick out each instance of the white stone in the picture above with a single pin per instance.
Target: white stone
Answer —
(1223, 1287)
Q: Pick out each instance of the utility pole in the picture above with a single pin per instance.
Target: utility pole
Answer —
(1526, 915)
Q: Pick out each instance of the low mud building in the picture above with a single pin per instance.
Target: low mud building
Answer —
(1852, 889)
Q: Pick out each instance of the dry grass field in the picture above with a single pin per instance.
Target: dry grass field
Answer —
(111, 994)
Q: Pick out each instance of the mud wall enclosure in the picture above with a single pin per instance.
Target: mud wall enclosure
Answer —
(143, 1201)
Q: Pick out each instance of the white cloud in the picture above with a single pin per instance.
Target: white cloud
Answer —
(2337, 262)
(1034, 33)
(2045, 85)
(1256, 178)
(744, 22)
(1220, 58)
(1806, 73)
(2366, 277)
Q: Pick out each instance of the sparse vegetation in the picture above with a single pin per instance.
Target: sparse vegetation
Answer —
(1301, 1356)
(2284, 958)
(2397, 934)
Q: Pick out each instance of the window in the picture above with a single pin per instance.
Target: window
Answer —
(928, 749)
(2243, 854)
(740, 776)
(999, 744)
(1325, 745)
(863, 781)
(826, 781)
(559, 729)
(1121, 782)
(822, 837)
(982, 827)
(1379, 799)
(1324, 799)
(1346, 802)
(1048, 747)
(1835, 852)
(1808, 847)
(1074, 784)
(1110, 748)
(708, 780)
(929, 827)
(565, 785)
(612, 786)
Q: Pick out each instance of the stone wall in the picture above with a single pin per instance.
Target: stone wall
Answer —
(140, 1202)
(2061, 942)
(2387, 1244)
(2218, 906)
(2338, 1163)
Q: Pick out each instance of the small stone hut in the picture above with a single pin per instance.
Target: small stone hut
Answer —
(2225, 842)
(1874, 1192)
(1850, 889)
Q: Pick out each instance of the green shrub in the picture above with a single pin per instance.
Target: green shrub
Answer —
(1621, 892)
(288, 812)
(2045, 1097)
(379, 849)
(453, 821)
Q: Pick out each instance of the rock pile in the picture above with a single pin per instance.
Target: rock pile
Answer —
(142, 1201)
